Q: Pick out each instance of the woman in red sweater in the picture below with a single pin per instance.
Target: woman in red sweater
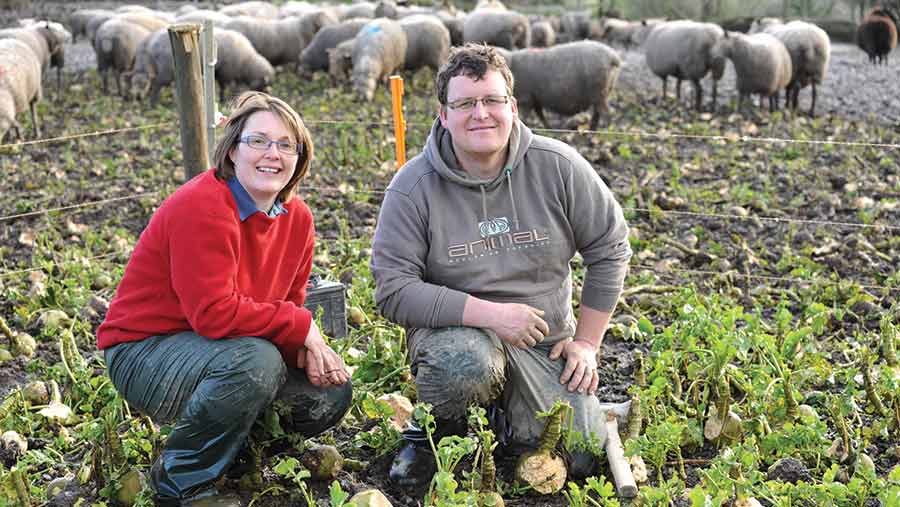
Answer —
(207, 326)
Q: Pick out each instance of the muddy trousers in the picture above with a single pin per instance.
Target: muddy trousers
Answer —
(213, 391)
(455, 367)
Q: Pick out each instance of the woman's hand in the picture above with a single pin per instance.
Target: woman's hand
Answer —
(324, 367)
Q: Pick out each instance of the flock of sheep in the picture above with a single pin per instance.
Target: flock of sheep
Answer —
(365, 42)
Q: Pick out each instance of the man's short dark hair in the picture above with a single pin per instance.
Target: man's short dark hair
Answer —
(474, 61)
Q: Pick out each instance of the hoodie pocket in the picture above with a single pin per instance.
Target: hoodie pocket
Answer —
(557, 307)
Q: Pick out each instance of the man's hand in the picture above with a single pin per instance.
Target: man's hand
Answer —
(580, 372)
(519, 325)
(324, 367)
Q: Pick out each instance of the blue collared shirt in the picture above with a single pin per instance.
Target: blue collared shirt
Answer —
(245, 204)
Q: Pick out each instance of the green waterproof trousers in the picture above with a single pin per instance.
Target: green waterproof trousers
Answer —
(213, 391)
(455, 367)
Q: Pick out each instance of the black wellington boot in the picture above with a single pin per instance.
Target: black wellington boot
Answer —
(414, 466)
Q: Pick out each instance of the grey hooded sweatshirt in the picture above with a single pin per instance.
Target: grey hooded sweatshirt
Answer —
(443, 234)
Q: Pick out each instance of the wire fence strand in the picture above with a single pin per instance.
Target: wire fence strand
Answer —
(728, 137)
(671, 272)
(349, 190)
(86, 134)
(76, 206)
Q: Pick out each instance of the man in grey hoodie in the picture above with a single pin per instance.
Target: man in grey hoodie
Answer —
(471, 255)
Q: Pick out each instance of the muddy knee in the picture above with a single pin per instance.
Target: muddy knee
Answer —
(312, 409)
(458, 366)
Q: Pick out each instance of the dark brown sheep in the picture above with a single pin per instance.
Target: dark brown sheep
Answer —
(877, 35)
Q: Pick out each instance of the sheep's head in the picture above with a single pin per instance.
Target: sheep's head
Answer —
(721, 50)
(140, 83)
(364, 78)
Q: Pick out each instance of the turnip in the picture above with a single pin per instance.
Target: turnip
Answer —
(543, 469)
(324, 462)
(21, 344)
(370, 498)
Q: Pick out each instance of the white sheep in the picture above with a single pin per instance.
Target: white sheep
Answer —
(281, 40)
(505, 29)
(683, 49)
(20, 86)
(315, 56)
(46, 40)
(427, 42)
(378, 50)
(584, 74)
(810, 50)
(761, 62)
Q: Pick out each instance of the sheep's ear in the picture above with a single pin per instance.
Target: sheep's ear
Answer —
(644, 22)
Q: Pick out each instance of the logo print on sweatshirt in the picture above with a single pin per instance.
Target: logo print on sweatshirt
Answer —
(493, 227)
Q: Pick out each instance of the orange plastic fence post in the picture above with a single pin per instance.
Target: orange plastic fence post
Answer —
(399, 121)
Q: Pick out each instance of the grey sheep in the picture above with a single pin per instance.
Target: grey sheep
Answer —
(154, 66)
(254, 9)
(390, 9)
(281, 40)
(810, 50)
(237, 62)
(356, 10)
(116, 43)
(616, 31)
(761, 62)
(378, 51)
(340, 60)
(575, 26)
(877, 35)
(47, 40)
(505, 29)
(584, 74)
(20, 86)
(683, 49)
(79, 19)
(315, 56)
(427, 42)
(490, 4)
(454, 22)
(542, 34)
(219, 20)
(150, 21)
(294, 8)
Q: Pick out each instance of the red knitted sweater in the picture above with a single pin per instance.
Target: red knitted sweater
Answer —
(197, 267)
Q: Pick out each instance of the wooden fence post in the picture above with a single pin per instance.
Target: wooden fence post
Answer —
(185, 39)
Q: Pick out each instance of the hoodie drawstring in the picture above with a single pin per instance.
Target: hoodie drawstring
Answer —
(512, 196)
(483, 203)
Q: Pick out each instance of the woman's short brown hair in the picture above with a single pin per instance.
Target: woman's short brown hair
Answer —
(244, 106)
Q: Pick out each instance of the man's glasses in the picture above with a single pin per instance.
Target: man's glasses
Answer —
(488, 101)
(262, 143)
